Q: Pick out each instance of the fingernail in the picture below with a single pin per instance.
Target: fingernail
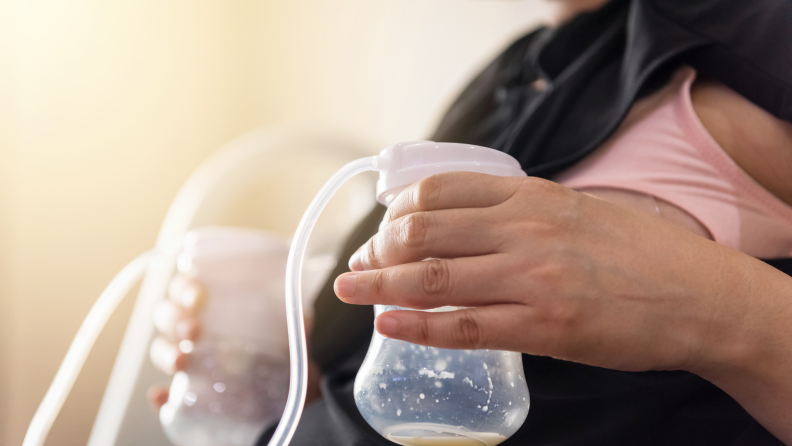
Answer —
(355, 263)
(387, 325)
(345, 285)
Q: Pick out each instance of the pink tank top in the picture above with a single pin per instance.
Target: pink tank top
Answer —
(663, 150)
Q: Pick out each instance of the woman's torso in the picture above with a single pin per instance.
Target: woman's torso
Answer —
(572, 404)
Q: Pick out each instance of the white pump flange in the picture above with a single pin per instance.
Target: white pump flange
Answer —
(405, 163)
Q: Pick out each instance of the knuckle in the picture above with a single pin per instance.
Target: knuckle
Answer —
(535, 185)
(424, 333)
(564, 317)
(570, 213)
(561, 320)
(436, 278)
(379, 282)
(549, 276)
(553, 279)
(373, 258)
(561, 201)
(562, 331)
(427, 193)
(415, 230)
(467, 330)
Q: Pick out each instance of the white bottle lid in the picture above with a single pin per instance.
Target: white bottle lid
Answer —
(407, 162)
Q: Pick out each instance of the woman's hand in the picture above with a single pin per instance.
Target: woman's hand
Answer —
(176, 320)
(552, 272)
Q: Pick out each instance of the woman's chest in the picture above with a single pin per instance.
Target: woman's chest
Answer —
(722, 177)
(757, 141)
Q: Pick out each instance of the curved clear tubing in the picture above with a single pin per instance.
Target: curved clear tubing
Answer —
(298, 379)
(80, 347)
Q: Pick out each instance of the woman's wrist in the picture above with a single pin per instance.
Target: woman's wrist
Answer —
(746, 347)
(748, 319)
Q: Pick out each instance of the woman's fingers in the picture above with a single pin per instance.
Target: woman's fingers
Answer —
(174, 322)
(454, 214)
(167, 356)
(176, 318)
(420, 235)
(501, 327)
(453, 190)
(433, 283)
(187, 294)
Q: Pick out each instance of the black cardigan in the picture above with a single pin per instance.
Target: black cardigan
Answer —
(597, 65)
(592, 70)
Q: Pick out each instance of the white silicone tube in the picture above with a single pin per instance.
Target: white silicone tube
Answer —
(298, 350)
(80, 347)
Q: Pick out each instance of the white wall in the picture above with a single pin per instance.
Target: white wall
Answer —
(114, 104)
(385, 68)
(106, 107)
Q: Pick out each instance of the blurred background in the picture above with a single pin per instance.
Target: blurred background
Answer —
(106, 107)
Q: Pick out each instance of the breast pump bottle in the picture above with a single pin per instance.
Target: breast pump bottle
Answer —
(419, 396)
(237, 380)
(413, 395)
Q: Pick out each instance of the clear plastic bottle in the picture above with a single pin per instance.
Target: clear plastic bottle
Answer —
(420, 396)
(415, 395)
(238, 377)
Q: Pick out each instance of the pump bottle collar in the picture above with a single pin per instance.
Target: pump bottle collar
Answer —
(408, 162)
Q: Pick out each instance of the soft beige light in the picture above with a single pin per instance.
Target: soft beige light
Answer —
(107, 106)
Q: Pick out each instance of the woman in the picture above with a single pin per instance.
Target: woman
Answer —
(636, 329)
